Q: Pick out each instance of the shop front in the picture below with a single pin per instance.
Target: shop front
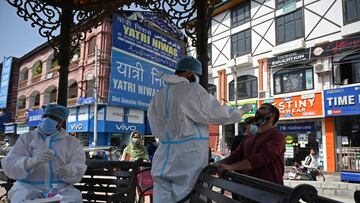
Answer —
(114, 124)
(301, 122)
(10, 133)
(342, 110)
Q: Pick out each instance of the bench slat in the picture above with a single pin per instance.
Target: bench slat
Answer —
(119, 182)
(97, 188)
(215, 196)
(100, 172)
(242, 190)
(196, 199)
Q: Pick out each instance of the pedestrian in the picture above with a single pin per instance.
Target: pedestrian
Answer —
(311, 164)
(248, 130)
(135, 150)
(261, 155)
(46, 160)
(179, 115)
(151, 148)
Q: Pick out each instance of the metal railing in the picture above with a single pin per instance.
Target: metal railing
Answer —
(349, 158)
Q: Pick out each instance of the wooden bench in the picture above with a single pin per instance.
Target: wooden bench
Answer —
(211, 188)
(104, 181)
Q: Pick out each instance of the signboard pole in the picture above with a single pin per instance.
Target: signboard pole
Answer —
(235, 96)
(97, 54)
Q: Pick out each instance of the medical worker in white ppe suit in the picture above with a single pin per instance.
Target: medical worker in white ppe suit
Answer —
(46, 160)
(179, 115)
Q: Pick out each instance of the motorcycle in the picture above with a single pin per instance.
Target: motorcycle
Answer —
(299, 172)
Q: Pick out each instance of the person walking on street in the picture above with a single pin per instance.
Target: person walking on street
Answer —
(135, 150)
(46, 160)
(179, 115)
(311, 164)
(261, 155)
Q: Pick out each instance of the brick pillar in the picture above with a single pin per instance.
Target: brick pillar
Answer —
(222, 84)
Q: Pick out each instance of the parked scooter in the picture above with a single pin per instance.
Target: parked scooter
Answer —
(299, 172)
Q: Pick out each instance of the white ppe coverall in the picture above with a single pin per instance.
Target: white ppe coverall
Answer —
(179, 115)
(42, 178)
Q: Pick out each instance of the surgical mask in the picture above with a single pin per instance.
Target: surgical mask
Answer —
(136, 140)
(253, 129)
(262, 120)
(48, 126)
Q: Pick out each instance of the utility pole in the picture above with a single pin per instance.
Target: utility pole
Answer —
(97, 56)
(235, 95)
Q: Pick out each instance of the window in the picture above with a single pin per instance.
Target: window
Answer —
(281, 3)
(37, 100)
(293, 79)
(24, 74)
(22, 102)
(90, 84)
(348, 70)
(240, 15)
(73, 91)
(289, 27)
(92, 44)
(53, 96)
(240, 43)
(351, 11)
(247, 87)
(37, 70)
(212, 90)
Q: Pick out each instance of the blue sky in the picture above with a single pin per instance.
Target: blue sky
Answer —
(17, 37)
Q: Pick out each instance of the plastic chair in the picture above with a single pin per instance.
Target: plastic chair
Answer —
(144, 184)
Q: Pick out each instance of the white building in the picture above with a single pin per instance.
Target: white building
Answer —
(276, 61)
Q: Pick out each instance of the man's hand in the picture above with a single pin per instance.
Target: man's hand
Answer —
(63, 170)
(221, 167)
(42, 157)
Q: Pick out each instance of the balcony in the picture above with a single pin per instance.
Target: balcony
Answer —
(74, 64)
(23, 83)
(35, 78)
(71, 102)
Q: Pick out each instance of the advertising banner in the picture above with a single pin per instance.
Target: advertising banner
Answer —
(300, 106)
(131, 36)
(241, 104)
(133, 81)
(78, 119)
(291, 58)
(5, 79)
(338, 46)
(22, 128)
(9, 129)
(342, 101)
(34, 117)
(297, 127)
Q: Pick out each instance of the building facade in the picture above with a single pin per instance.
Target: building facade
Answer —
(291, 53)
(127, 45)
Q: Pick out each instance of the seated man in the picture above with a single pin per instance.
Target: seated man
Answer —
(45, 160)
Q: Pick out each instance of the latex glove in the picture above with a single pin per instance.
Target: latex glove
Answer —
(63, 170)
(247, 108)
(40, 158)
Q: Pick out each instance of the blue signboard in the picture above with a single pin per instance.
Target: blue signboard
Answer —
(342, 101)
(131, 36)
(9, 128)
(122, 127)
(85, 100)
(78, 126)
(5, 78)
(297, 127)
(133, 81)
(34, 117)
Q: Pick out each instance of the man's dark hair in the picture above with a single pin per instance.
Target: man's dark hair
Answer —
(275, 111)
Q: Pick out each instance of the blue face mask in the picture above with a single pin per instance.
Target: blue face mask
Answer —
(48, 126)
(253, 129)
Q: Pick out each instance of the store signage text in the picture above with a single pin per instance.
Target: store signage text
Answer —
(124, 127)
(298, 106)
(343, 45)
(286, 59)
(77, 126)
(342, 101)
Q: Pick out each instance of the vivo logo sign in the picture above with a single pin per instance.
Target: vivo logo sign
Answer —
(76, 127)
(125, 127)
